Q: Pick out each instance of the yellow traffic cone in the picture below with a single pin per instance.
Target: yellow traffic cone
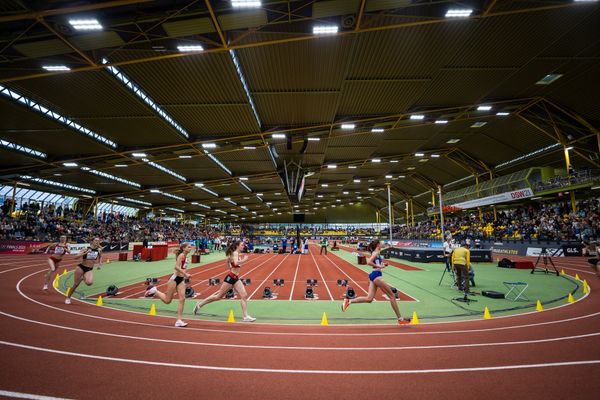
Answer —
(324, 320)
(577, 277)
(586, 288)
(562, 271)
(64, 272)
(68, 291)
(486, 314)
(230, 318)
(99, 301)
(538, 306)
(415, 319)
(108, 260)
(152, 310)
(571, 299)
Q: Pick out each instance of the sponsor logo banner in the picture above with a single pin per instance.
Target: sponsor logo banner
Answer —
(20, 246)
(495, 199)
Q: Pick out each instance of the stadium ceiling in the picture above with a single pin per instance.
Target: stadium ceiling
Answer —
(180, 104)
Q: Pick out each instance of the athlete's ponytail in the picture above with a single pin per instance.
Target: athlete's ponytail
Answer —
(180, 249)
(232, 247)
(373, 245)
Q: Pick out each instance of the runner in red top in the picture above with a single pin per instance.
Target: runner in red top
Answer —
(232, 280)
(58, 250)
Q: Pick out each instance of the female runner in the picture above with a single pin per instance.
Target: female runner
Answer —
(89, 257)
(58, 250)
(376, 282)
(176, 283)
(232, 280)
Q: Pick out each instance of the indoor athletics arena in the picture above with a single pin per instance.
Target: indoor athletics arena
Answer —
(299, 199)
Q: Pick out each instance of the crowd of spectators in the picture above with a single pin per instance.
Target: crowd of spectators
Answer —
(543, 221)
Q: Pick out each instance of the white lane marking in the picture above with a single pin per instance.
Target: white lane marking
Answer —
(18, 288)
(301, 371)
(272, 272)
(19, 395)
(348, 276)
(309, 348)
(322, 278)
(294, 281)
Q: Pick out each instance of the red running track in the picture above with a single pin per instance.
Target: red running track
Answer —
(87, 352)
(390, 262)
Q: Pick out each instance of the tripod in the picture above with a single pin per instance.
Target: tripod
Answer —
(453, 285)
(545, 258)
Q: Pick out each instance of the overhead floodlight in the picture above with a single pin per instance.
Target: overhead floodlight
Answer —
(91, 24)
(548, 79)
(314, 139)
(376, 160)
(441, 121)
(209, 145)
(502, 114)
(144, 203)
(207, 190)
(114, 178)
(459, 13)
(53, 68)
(61, 185)
(394, 161)
(484, 108)
(453, 141)
(324, 185)
(218, 162)
(417, 117)
(325, 29)
(164, 169)
(132, 87)
(18, 98)
(242, 184)
(356, 180)
(22, 149)
(478, 124)
(249, 147)
(331, 166)
(278, 136)
(419, 154)
(435, 156)
(377, 130)
(139, 155)
(246, 3)
(190, 48)
(529, 155)
(238, 68)
(121, 165)
(175, 209)
(352, 167)
(172, 196)
(348, 126)
(185, 156)
(388, 177)
(70, 164)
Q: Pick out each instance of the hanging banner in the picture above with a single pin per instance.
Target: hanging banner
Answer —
(495, 199)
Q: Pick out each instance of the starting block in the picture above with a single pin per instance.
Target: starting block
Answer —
(278, 282)
(152, 281)
(214, 281)
(312, 282)
(230, 294)
(246, 282)
(267, 293)
(342, 282)
(516, 290)
(350, 293)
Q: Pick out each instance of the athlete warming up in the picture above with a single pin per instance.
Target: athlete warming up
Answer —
(176, 283)
(90, 256)
(58, 250)
(376, 282)
(232, 280)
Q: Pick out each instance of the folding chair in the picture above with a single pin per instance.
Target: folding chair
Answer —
(517, 290)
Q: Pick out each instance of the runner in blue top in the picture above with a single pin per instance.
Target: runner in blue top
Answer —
(376, 282)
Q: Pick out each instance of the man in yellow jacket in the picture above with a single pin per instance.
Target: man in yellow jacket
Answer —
(461, 263)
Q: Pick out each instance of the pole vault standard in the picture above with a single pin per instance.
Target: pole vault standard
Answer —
(441, 212)
(390, 210)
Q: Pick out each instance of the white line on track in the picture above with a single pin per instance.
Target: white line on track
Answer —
(322, 278)
(272, 272)
(302, 371)
(307, 348)
(330, 334)
(19, 395)
(294, 281)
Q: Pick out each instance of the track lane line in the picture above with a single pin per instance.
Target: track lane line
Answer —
(319, 269)
(294, 280)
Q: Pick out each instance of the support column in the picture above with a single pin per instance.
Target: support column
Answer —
(390, 210)
(441, 211)
(568, 164)
(412, 213)
(14, 199)
(495, 216)
(480, 214)
(407, 222)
